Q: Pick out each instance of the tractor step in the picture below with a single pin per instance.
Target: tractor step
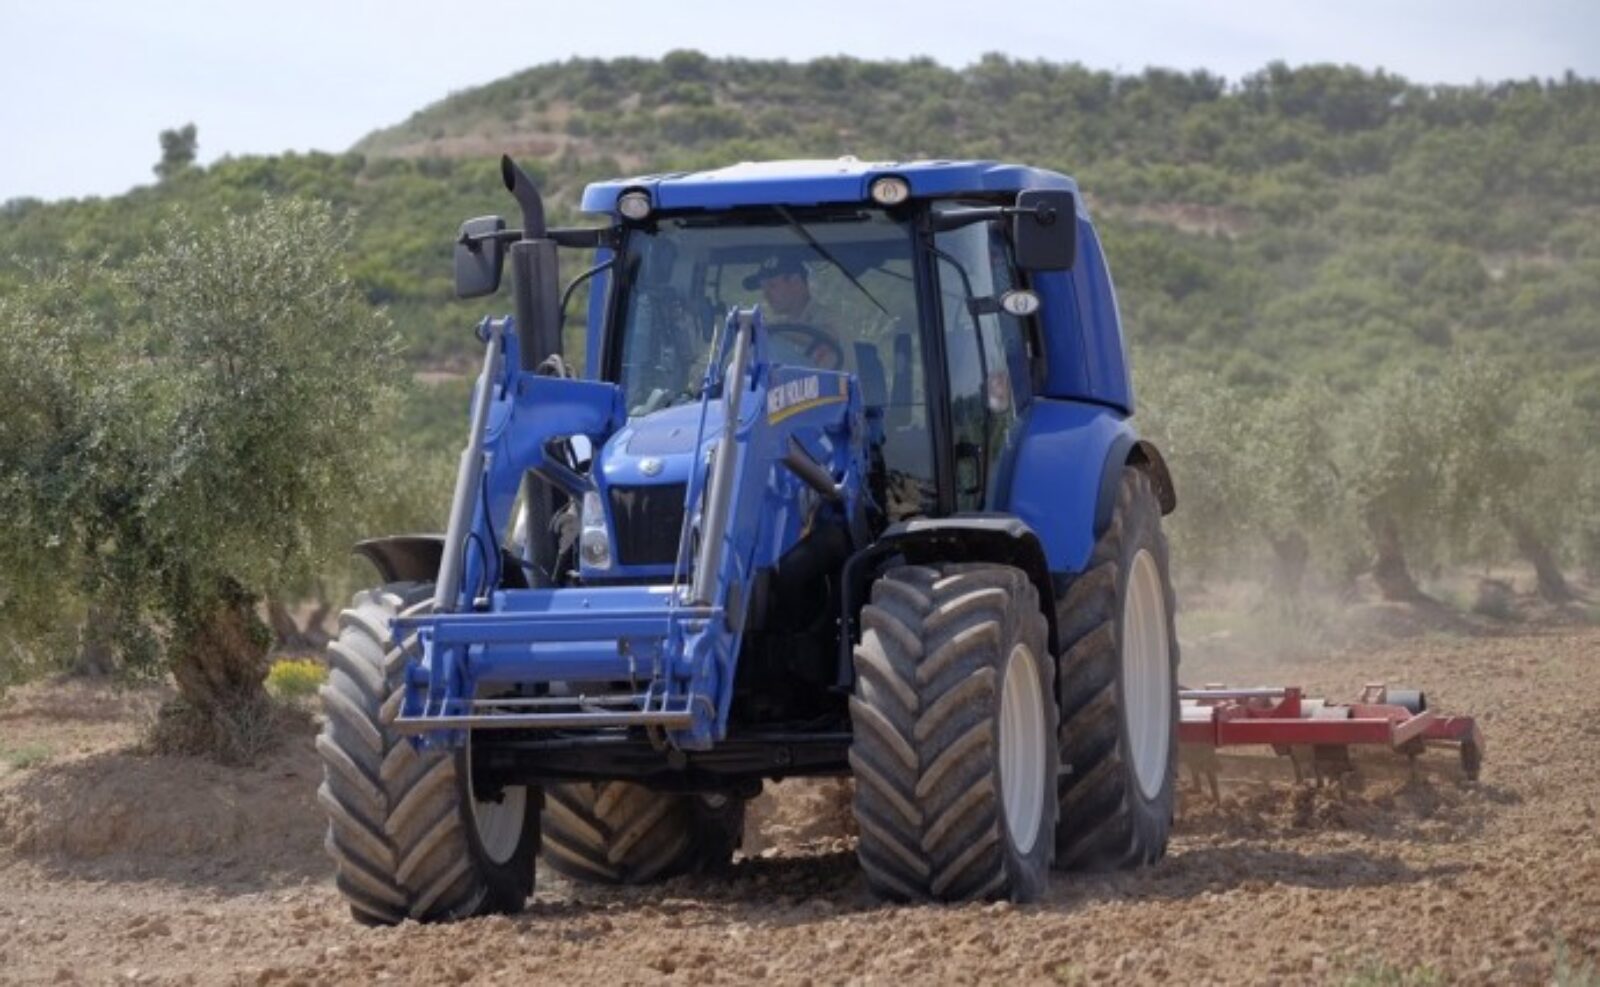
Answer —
(649, 709)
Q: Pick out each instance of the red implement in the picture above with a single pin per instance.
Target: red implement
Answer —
(1319, 733)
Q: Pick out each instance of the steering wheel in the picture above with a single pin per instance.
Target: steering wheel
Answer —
(819, 347)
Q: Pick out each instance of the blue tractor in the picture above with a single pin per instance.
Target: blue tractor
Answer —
(848, 486)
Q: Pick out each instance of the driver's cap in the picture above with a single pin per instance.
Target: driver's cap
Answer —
(773, 267)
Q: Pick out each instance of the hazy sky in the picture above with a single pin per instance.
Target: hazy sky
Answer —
(85, 86)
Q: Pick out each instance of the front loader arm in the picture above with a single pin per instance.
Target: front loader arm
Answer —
(516, 414)
(791, 456)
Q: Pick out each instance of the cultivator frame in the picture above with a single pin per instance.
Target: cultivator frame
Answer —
(1322, 739)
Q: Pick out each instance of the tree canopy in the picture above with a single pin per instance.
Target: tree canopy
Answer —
(178, 148)
(197, 428)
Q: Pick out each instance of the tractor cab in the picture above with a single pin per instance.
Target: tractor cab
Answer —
(928, 301)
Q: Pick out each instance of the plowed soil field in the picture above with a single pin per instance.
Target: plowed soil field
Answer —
(119, 866)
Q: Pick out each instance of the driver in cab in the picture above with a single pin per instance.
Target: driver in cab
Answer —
(802, 329)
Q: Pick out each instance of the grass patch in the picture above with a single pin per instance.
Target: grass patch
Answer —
(25, 756)
(1382, 973)
(296, 678)
(1568, 974)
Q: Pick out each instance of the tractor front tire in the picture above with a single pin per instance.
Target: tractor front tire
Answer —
(1119, 694)
(617, 832)
(408, 836)
(953, 735)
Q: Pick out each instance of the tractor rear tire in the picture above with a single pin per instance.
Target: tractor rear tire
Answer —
(408, 836)
(620, 833)
(1119, 694)
(954, 726)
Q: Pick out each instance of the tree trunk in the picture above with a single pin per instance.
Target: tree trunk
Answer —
(1552, 584)
(97, 654)
(290, 636)
(1290, 556)
(1389, 569)
(285, 632)
(219, 655)
(316, 631)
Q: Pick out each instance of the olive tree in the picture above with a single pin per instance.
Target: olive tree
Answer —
(51, 345)
(1299, 500)
(223, 432)
(1512, 462)
(1200, 426)
(1589, 514)
(1544, 500)
(1391, 458)
(1456, 461)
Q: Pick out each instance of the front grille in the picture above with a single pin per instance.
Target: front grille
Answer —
(648, 521)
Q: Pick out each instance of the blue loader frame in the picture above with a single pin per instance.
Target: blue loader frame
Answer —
(781, 440)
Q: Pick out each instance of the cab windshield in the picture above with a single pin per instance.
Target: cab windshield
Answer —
(837, 290)
(834, 289)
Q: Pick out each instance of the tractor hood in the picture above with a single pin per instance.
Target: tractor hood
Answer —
(658, 448)
(642, 479)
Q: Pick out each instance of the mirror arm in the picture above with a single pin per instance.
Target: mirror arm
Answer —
(955, 219)
(581, 238)
(474, 241)
(987, 305)
(584, 238)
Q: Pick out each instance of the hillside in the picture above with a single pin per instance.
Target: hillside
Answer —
(1316, 220)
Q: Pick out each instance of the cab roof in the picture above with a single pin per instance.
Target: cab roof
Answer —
(818, 182)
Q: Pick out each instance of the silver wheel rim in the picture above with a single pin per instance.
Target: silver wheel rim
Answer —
(1022, 748)
(1147, 674)
(499, 824)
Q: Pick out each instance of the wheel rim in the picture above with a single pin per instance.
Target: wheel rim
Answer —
(1147, 674)
(499, 824)
(1022, 748)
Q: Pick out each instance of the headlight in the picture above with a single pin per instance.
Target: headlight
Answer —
(594, 544)
(889, 190)
(634, 205)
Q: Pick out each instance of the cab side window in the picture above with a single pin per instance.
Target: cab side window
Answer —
(987, 354)
(1016, 333)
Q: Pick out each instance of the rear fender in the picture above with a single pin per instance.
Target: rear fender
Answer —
(1145, 456)
(1068, 461)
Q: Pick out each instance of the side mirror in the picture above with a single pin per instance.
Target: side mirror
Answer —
(480, 256)
(1044, 230)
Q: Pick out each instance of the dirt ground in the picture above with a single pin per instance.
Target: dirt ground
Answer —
(117, 866)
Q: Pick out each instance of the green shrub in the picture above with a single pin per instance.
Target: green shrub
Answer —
(296, 678)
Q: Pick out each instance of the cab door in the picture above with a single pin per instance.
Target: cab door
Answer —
(989, 358)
